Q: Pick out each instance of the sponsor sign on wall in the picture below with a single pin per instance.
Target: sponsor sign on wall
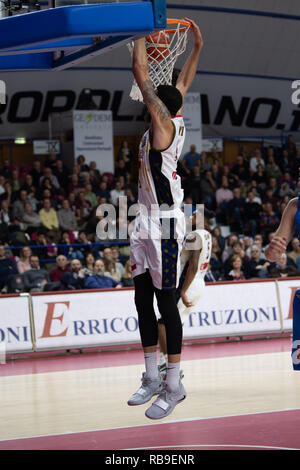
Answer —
(287, 289)
(15, 330)
(109, 317)
(230, 105)
(234, 309)
(93, 138)
(85, 319)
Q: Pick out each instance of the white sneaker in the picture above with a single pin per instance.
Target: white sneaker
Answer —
(166, 402)
(146, 391)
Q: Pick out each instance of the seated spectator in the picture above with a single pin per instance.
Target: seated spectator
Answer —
(238, 249)
(8, 267)
(191, 184)
(90, 196)
(61, 268)
(268, 196)
(256, 160)
(61, 173)
(74, 186)
(74, 279)
(99, 280)
(251, 214)
(66, 217)
(272, 169)
(227, 252)
(205, 163)
(210, 275)
(241, 169)
(82, 239)
(294, 254)
(36, 172)
(15, 181)
(35, 278)
(260, 178)
(283, 268)
(286, 190)
(216, 232)
(116, 193)
(236, 211)
(223, 196)
(121, 169)
(127, 279)
(258, 265)
(19, 205)
(95, 175)
(83, 211)
(82, 164)
(30, 220)
(89, 264)
(23, 264)
(208, 188)
(190, 160)
(69, 249)
(118, 258)
(5, 213)
(268, 219)
(103, 191)
(236, 273)
(47, 174)
(48, 216)
(125, 155)
(111, 269)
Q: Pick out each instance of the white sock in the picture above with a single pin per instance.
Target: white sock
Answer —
(173, 372)
(151, 365)
(163, 358)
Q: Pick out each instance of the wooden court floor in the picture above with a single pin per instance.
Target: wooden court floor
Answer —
(240, 395)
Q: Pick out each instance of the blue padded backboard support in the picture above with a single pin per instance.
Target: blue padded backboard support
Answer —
(27, 41)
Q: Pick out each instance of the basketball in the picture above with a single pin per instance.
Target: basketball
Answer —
(158, 46)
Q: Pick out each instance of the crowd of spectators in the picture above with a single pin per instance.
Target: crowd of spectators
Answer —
(49, 213)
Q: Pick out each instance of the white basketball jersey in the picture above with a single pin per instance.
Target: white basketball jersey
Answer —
(158, 180)
(204, 243)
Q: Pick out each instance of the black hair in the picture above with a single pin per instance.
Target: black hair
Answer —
(171, 97)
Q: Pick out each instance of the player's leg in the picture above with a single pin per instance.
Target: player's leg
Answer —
(163, 356)
(151, 380)
(174, 391)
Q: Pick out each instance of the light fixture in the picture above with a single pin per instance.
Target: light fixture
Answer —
(20, 140)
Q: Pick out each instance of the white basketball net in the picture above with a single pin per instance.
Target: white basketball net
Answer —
(161, 67)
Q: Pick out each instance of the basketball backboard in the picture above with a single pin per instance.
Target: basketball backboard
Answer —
(61, 37)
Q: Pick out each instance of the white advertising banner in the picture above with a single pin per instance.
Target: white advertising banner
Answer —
(88, 319)
(93, 138)
(234, 309)
(85, 319)
(15, 331)
(287, 289)
(193, 122)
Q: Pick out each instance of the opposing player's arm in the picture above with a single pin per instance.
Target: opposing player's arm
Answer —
(284, 233)
(160, 116)
(194, 256)
(189, 69)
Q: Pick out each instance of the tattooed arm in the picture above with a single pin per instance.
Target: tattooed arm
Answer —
(160, 117)
(189, 69)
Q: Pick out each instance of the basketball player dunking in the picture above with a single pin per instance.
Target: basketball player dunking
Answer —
(156, 242)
